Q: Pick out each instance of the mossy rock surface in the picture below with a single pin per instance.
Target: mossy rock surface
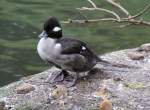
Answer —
(126, 85)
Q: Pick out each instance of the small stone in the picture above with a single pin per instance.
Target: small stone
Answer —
(59, 91)
(117, 79)
(106, 105)
(135, 55)
(100, 93)
(25, 88)
(145, 47)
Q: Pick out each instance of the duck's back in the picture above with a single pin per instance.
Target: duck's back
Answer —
(73, 46)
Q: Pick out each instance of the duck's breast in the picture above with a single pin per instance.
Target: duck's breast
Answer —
(47, 48)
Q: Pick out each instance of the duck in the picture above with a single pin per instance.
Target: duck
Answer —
(67, 54)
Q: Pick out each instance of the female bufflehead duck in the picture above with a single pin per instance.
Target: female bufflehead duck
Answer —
(65, 53)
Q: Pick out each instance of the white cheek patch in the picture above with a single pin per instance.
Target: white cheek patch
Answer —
(56, 29)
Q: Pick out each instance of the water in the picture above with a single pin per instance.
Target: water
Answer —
(21, 21)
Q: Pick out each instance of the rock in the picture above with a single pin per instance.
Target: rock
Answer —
(25, 88)
(126, 87)
(106, 105)
(145, 47)
(100, 93)
(135, 55)
(59, 91)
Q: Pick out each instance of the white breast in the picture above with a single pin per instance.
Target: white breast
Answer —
(48, 48)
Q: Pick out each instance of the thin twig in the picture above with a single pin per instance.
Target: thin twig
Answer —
(141, 12)
(92, 3)
(100, 9)
(135, 22)
(119, 6)
(87, 21)
(129, 20)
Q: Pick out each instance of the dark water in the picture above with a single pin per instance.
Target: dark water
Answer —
(21, 22)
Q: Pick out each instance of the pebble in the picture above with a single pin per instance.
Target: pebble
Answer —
(106, 105)
(145, 47)
(135, 55)
(25, 88)
(59, 91)
(100, 93)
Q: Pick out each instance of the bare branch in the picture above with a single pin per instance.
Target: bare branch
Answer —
(101, 9)
(141, 12)
(87, 21)
(127, 21)
(119, 6)
(134, 22)
(92, 3)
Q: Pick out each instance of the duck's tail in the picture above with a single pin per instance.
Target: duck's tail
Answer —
(113, 64)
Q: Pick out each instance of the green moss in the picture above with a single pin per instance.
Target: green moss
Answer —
(135, 85)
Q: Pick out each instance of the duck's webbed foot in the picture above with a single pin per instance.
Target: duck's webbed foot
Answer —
(62, 77)
(69, 80)
(56, 77)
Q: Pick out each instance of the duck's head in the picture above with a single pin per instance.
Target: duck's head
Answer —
(52, 29)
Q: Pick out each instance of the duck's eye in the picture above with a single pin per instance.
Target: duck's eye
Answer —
(56, 29)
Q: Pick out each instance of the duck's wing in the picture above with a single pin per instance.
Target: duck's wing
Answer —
(74, 46)
(71, 46)
(80, 57)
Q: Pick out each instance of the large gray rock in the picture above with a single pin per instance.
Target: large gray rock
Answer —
(126, 85)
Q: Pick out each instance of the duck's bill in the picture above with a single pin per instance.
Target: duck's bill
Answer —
(43, 34)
